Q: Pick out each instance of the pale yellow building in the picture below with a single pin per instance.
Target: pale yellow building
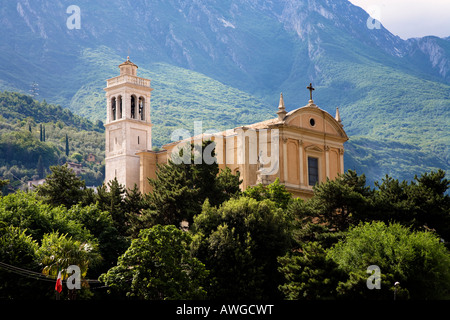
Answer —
(300, 147)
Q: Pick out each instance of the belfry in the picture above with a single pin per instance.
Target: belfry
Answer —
(301, 147)
(128, 126)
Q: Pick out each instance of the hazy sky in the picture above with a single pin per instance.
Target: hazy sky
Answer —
(410, 18)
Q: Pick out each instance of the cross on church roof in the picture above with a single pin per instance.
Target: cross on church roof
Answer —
(311, 89)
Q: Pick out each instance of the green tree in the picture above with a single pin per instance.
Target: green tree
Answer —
(416, 259)
(111, 244)
(25, 149)
(23, 210)
(17, 249)
(181, 188)
(227, 185)
(58, 251)
(309, 274)
(3, 183)
(77, 156)
(62, 187)
(67, 145)
(110, 197)
(433, 202)
(172, 196)
(421, 204)
(339, 203)
(275, 192)
(307, 227)
(134, 205)
(158, 266)
(40, 168)
(239, 242)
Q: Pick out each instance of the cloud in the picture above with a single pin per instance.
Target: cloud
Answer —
(410, 18)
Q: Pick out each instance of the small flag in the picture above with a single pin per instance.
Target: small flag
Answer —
(58, 286)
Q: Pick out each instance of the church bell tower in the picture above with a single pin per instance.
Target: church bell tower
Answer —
(128, 125)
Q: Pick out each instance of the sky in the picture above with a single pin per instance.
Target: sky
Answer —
(410, 18)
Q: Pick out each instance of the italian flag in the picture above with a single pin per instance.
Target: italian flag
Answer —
(58, 286)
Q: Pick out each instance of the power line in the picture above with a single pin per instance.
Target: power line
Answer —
(26, 273)
(34, 274)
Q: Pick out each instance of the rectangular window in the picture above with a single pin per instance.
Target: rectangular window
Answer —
(313, 171)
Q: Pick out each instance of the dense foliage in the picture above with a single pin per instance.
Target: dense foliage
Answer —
(400, 227)
(158, 266)
(228, 244)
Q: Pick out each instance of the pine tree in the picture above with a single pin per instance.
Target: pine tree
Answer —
(40, 168)
(180, 190)
(40, 131)
(134, 203)
(67, 145)
(110, 197)
(62, 187)
(173, 194)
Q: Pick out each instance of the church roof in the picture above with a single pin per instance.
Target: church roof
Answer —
(128, 62)
(286, 118)
(283, 120)
(274, 121)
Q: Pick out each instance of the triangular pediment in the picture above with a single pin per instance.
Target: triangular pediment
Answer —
(313, 148)
(314, 119)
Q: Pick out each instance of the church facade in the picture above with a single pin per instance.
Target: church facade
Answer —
(300, 148)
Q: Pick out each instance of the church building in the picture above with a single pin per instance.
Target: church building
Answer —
(301, 147)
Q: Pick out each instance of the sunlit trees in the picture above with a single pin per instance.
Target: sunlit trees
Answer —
(239, 242)
(62, 187)
(157, 266)
(17, 249)
(276, 192)
(346, 227)
(416, 259)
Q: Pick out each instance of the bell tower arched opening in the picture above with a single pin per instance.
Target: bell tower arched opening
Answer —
(133, 107)
(113, 108)
(141, 108)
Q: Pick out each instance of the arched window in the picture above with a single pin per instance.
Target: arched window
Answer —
(119, 103)
(133, 107)
(113, 108)
(141, 108)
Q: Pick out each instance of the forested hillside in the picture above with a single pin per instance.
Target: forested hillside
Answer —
(35, 135)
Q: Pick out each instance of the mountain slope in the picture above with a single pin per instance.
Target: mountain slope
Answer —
(227, 61)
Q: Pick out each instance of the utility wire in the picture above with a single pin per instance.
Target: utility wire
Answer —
(35, 275)
(26, 273)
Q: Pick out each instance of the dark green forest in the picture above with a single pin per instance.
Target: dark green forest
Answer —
(198, 236)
